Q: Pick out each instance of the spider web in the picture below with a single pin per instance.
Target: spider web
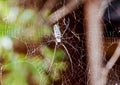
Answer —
(71, 34)
(74, 40)
(76, 48)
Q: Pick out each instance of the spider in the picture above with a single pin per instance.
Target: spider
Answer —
(58, 39)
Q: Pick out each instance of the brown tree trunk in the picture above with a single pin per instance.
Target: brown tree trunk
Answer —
(93, 18)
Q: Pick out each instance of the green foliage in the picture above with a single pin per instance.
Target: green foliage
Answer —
(19, 69)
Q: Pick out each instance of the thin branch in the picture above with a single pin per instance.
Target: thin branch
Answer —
(62, 12)
(114, 58)
(49, 4)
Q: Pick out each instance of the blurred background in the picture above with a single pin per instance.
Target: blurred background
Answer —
(27, 42)
(25, 54)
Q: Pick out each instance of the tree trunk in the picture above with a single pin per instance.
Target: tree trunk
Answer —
(93, 18)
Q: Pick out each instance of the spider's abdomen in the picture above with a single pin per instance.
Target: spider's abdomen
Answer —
(57, 33)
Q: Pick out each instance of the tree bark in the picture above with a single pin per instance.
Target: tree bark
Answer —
(94, 10)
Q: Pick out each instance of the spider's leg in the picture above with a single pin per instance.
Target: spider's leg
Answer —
(64, 80)
(41, 46)
(72, 47)
(76, 35)
(68, 56)
(49, 69)
(66, 27)
(67, 38)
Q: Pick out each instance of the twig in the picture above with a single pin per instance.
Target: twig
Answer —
(114, 58)
(49, 4)
(62, 12)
